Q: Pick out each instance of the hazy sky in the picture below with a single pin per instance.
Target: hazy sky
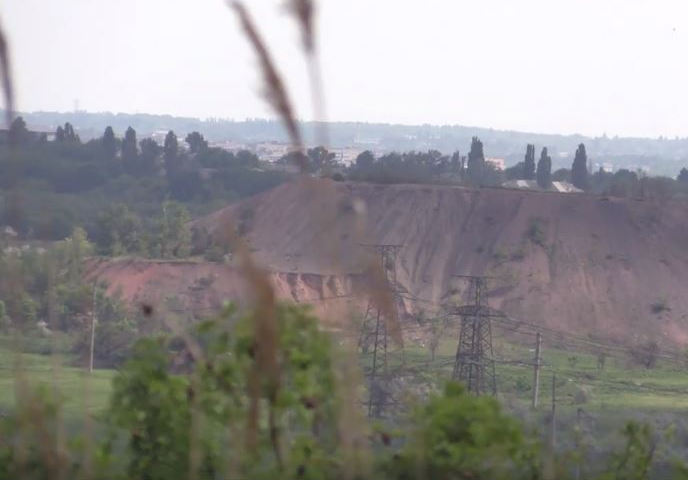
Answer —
(559, 66)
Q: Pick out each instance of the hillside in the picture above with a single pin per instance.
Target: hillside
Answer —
(585, 264)
(188, 289)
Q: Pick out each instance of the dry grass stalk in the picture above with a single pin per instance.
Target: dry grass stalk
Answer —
(7, 84)
(266, 349)
(383, 298)
(324, 208)
(273, 87)
(304, 11)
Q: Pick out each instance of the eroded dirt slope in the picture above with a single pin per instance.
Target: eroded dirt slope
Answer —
(575, 262)
(197, 289)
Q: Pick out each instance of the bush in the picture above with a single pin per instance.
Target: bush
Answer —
(457, 435)
(536, 231)
(660, 306)
(279, 394)
(645, 354)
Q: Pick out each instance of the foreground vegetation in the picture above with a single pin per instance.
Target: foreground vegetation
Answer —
(271, 396)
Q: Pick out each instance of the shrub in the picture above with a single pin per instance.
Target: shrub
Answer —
(287, 415)
(536, 231)
(457, 435)
(645, 354)
(660, 306)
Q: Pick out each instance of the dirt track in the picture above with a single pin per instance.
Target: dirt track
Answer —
(574, 262)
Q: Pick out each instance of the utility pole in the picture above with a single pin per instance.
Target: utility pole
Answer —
(536, 370)
(474, 364)
(553, 432)
(578, 442)
(380, 332)
(93, 329)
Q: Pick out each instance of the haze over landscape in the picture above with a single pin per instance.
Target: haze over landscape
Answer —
(300, 239)
(564, 67)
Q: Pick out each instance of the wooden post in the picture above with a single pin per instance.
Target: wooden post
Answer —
(536, 370)
(93, 330)
(553, 433)
(578, 445)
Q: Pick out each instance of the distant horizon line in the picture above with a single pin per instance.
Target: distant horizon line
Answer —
(211, 119)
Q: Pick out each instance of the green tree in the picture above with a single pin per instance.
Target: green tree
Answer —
(171, 154)
(683, 175)
(529, 163)
(59, 134)
(476, 162)
(70, 135)
(196, 142)
(153, 405)
(109, 143)
(579, 169)
(514, 172)
(18, 133)
(119, 231)
(365, 159)
(174, 234)
(66, 134)
(455, 163)
(71, 253)
(319, 158)
(461, 436)
(4, 319)
(623, 183)
(130, 153)
(561, 175)
(287, 416)
(544, 170)
(246, 159)
(116, 332)
(150, 151)
(29, 310)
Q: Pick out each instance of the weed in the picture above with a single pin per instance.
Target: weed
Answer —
(536, 231)
(660, 306)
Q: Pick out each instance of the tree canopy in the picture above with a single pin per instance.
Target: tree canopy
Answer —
(529, 163)
(109, 143)
(544, 169)
(579, 169)
(196, 142)
(476, 161)
(130, 152)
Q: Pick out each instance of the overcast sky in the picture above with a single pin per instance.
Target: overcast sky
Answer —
(555, 66)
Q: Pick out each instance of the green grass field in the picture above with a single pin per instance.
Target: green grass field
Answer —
(81, 392)
(621, 385)
(620, 388)
(592, 405)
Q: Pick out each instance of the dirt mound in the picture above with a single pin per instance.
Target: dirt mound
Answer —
(575, 262)
(192, 290)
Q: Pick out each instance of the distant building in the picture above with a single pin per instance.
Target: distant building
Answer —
(366, 141)
(346, 155)
(271, 151)
(8, 232)
(566, 187)
(34, 136)
(497, 163)
(561, 187)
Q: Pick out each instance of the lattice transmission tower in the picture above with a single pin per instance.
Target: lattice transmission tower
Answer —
(474, 365)
(375, 330)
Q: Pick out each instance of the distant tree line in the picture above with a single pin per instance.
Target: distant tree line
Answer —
(49, 187)
(44, 295)
(474, 170)
(426, 167)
